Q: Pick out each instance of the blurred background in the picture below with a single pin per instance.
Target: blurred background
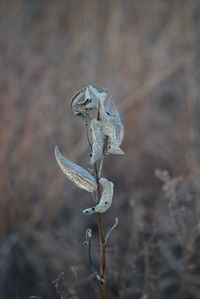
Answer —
(146, 53)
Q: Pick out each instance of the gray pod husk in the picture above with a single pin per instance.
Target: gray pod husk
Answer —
(105, 200)
(75, 173)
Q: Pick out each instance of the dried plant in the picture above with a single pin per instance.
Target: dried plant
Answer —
(104, 134)
(183, 211)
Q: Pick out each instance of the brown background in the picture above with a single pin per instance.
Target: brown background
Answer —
(146, 53)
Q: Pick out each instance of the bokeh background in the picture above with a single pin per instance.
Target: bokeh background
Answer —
(146, 53)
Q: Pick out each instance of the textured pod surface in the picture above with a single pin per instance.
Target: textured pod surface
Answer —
(112, 111)
(105, 200)
(93, 96)
(75, 173)
(97, 141)
(109, 129)
(112, 126)
(85, 100)
(77, 102)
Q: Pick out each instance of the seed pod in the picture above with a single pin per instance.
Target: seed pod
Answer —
(85, 100)
(76, 174)
(106, 198)
(111, 110)
(109, 129)
(97, 141)
(76, 102)
(93, 96)
(112, 126)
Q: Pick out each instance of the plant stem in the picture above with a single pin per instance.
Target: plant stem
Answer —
(101, 238)
(103, 256)
(100, 226)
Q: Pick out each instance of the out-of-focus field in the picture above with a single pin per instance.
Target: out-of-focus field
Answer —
(147, 54)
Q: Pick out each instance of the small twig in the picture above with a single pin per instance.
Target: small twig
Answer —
(57, 283)
(73, 285)
(109, 232)
(87, 243)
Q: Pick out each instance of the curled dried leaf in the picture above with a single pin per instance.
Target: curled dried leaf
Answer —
(75, 173)
(105, 200)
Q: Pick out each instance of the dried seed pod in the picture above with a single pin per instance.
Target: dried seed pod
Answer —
(111, 110)
(112, 126)
(97, 141)
(85, 100)
(109, 129)
(76, 102)
(106, 198)
(93, 96)
(76, 174)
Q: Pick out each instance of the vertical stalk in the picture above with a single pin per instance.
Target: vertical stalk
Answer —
(103, 256)
(102, 248)
(100, 226)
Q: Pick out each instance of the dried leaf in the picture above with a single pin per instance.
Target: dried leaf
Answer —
(97, 141)
(75, 173)
(105, 200)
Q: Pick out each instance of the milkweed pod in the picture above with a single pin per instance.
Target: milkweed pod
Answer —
(112, 111)
(105, 200)
(93, 96)
(85, 100)
(77, 101)
(75, 173)
(112, 127)
(97, 141)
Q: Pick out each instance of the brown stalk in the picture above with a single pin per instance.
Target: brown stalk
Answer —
(101, 242)
(103, 256)
(101, 234)
(100, 226)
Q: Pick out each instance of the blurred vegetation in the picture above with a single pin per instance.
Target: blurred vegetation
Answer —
(146, 53)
